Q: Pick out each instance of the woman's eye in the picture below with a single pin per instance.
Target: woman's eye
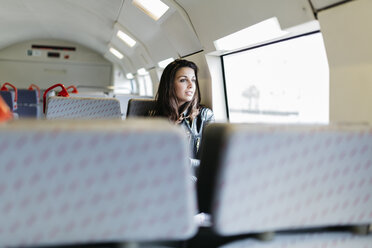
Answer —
(184, 80)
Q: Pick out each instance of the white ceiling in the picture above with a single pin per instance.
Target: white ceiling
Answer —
(91, 23)
(321, 4)
(86, 22)
(223, 17)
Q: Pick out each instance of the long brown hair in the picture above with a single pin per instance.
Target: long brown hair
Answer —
(166, 98)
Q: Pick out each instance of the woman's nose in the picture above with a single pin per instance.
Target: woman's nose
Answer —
(189, 84)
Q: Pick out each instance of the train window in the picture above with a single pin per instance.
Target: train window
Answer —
(122, 85)
(144, 83)
(281, 82)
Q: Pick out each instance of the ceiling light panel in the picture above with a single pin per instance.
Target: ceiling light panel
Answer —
(115, 52)
(126, 38)
(153, 8)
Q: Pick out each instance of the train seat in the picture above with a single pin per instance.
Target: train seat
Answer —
(28, 104)
(267, 178)
(336, 239)
(82, 108)
(28, 111)
(140, 107)
(81, 182)
(26, 96)
(91, 94)
(124, 101)
(8, 97)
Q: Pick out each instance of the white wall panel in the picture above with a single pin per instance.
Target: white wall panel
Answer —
(347, 33)
(214, 19)
(83, 67)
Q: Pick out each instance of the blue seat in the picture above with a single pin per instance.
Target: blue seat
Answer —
(8, 98)
(28, 111)
(28, 104)
(26, 96)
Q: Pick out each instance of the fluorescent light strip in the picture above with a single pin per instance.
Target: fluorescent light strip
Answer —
(115, 52)
(153, 8)
(126, 38)
(164, 63)
(260, 32)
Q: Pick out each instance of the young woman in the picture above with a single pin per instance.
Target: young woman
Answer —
(178, 99)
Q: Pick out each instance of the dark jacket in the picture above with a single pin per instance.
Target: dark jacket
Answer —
(194, 133)
(194, 130)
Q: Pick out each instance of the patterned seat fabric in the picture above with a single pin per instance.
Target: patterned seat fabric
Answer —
(82, 108)
(8, 98)
(28, 111)
(267, 178)
(26, 96)
(28, 104)
(70, 182)
(140, 107)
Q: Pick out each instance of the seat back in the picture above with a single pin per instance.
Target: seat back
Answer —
(69, 182)
(266, 178)
(28, 104)
(124, 101)
(26, 96)
(140, 107)
(82, 108)
(28, 111)
(339, 240)
(8, 98)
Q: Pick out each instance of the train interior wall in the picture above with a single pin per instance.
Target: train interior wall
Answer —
(347, 36)
(21, 65)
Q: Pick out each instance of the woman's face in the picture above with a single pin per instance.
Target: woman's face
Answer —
(184, 84)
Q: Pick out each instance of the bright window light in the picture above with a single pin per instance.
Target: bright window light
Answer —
(129, 76)
(153, 8)
(126, 38)
(121, 84)
(145, 86)
(260, 32)
(283, 82)
(164, 63)
(142, 72)
(115, 52)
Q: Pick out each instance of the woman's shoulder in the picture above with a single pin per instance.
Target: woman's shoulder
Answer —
(205, 110)
(206, 113)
